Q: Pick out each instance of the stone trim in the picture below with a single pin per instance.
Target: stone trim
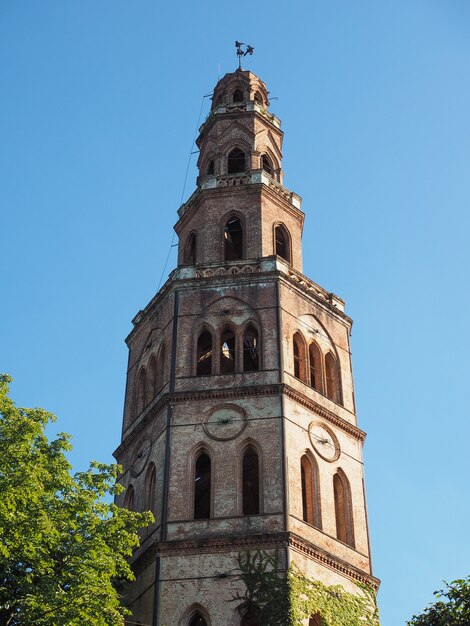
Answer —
(301, 545)
(245, 542)
(327, 415)
(230, 394)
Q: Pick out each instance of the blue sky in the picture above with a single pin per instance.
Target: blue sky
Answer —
(100, 101)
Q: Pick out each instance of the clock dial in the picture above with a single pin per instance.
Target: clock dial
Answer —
(324, 441)
(224, 422)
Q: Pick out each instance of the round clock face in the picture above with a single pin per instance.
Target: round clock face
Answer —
(225, 422)
(140, 459)
(324, 441)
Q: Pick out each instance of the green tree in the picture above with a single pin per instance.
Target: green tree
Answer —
(454, 611)
(63, 548)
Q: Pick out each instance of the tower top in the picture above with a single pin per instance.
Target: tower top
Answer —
(238, 88)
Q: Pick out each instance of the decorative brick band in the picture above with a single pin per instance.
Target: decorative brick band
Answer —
(327, 415)
(246, 542)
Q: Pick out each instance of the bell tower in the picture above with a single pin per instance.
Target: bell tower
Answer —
(240, 429)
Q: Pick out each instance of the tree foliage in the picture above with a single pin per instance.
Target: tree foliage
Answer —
(277, 597)
(63, 547)
(454, 611)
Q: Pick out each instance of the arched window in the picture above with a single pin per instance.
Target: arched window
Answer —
(227, 352)
(190, 250)
(343, 509)
(151, 380)
(141, 391)
(233, 239)
(299, 357)
(210, 168)
(311, 512)
(249, 619)
(266, 164)
(250, 482)
(197, 620)
(282, 242)
(332, 378)
(315, 620)
(150, 483)
(202, 487)
(129, 500)
(204, 354)
(250, 350)
(161, 368)
(237, 96)
(315, 366)
(258, 98)
(236, 161)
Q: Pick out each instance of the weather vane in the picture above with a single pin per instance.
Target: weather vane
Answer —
(242, 50)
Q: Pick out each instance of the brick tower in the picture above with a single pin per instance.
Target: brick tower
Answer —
(239, 422)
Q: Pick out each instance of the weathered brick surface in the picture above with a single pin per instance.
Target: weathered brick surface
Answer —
(269, 409)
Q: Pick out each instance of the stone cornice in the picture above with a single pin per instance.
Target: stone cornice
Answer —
(333, 562)
(233, 543)
(326, 414)
(231, 393)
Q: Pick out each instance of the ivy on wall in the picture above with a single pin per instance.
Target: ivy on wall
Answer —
(277, 597)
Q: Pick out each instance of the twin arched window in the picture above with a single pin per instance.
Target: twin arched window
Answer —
(150, 380)
(203, 484)
(228, 360)
(311, 368)
(311, 502)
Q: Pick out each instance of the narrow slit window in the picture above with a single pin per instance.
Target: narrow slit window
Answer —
(161, 368)
(315, 366)
(152, 380)
(141, 391)
(250, 482)
(151, 482)
(202, 487)
(210, 168)
(249, 619)
(266, 165)
(237, 96)
(191, 250)
(233, 240)
(310, 492)
(129, 501)
(204, 354)
(250, 350)
(282, 239)
(332, 378)
(236, 161)
(343, 509)
(227, 352)
(197, 620)
(299, 357)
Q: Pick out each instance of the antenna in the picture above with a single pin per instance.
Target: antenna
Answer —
(242, 50)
